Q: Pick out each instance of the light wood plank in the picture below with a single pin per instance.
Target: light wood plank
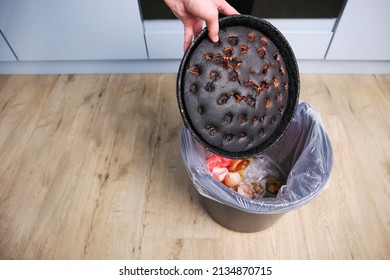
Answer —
(90, 168)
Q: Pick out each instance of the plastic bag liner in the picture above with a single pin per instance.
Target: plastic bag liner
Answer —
(303, 155)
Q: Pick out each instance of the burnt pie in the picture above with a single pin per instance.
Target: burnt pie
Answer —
(238, 96)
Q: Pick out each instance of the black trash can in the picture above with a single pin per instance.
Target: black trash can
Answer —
(304, 156)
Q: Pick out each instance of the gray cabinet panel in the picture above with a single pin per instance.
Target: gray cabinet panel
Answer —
(47, 30)
(5, 10)
(309, 38)
(363, 32)
(5, 52)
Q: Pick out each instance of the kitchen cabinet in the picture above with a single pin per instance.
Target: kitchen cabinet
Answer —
(309, 38)
(111, 36)
(5, 52)
(55, 30)
(362, 32)
(5, 11)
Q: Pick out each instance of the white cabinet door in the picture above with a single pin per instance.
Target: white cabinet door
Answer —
(55, 30)
(309, 38)
(5, 52)
(363, 32)
(5, 10)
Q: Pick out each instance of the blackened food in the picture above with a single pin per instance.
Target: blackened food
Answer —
(239, 86)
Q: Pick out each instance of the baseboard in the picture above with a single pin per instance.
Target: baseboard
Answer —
(172, 65)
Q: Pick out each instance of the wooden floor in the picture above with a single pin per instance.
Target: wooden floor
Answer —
(90, 168)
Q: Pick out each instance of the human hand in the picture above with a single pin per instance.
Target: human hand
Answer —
(192, 13)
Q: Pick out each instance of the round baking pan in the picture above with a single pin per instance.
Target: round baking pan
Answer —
(238, 96)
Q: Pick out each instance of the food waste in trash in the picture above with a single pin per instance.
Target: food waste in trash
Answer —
(231, 173)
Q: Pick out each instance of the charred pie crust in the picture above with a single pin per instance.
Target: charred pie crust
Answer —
(238, 96)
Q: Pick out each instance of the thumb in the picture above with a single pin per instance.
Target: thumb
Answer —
(212, 21)
(213, 28)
